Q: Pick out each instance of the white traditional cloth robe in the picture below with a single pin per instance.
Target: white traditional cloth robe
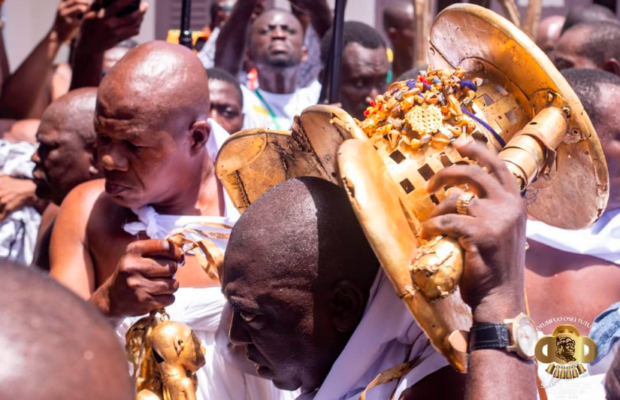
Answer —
(386, 337)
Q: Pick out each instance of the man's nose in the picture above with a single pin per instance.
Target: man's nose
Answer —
(278, 33)
(113, 160)
(376, 91)
(238, 335)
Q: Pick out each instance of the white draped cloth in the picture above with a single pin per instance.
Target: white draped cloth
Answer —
(386, 337)
(18, 231)
(201, 308)
(601, 240)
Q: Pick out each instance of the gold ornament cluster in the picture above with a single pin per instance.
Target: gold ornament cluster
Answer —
(433, 109)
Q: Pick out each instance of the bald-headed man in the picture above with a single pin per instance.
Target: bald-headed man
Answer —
(155, 146)
(592, 45)
(55, 346)
(548, 33)
(314, 311)
(276, 47)
(399, 24)
(589, 13)
(65, 158)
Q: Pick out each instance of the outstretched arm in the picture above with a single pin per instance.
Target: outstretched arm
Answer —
(22, 89)
(319, 12)
(230, 44)
(102, 29)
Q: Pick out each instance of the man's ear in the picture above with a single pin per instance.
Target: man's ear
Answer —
(347, 304)
(612, 65)
(200, 132)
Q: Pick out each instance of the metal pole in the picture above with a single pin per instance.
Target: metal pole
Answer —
(331, 82)
(185, 36)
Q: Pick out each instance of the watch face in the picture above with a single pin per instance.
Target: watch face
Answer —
(525, 336)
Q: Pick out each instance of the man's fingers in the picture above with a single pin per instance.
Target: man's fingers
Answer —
(486, 158)
(117, 6)
(448, 206)
(158, 287)
(452, 225)
(163, 300)
(479, 181)
(156, 248)
(159, 268)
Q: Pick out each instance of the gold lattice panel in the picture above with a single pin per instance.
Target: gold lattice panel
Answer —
(411, 170)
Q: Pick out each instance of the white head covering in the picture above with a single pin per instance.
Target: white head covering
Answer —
(386, 337)
(601, 240)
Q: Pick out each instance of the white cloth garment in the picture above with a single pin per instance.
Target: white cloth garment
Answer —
(201, 309)
(386, 337)
(18, 231)
(207, 53)
(284, 106)
(601, 240)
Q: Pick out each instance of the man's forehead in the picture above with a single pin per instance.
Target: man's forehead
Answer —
(360, 60)
(276, 17)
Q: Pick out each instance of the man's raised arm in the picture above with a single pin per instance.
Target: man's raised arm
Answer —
(492, 233)
(230, 44)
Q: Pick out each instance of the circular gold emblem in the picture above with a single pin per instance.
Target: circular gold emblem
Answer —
(425, 119)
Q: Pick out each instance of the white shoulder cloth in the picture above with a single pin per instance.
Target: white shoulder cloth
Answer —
(601, 240)
(386, 337)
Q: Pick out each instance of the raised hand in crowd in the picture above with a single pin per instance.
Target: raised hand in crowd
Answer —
(22, 91)
(103, 29)
(318, 12)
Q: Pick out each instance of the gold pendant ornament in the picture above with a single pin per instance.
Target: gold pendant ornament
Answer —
(487, 81)
(165, 354)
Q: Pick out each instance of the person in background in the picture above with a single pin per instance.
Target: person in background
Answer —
(220, 12)
(25, 93)
(399, 25)
(548, 33)
(102, 29)
(364, 69)
(588, 13)
(112, 56)
(316, 18)
(226, 100)
(64, 159)
(60, 347)
(591, 45)
(276, 49)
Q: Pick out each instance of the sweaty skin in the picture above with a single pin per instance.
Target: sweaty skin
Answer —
(64, 159)
(561, 284)
(548, 33)
(151, 125)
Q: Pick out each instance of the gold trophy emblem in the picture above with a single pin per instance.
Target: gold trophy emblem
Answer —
(565, 352)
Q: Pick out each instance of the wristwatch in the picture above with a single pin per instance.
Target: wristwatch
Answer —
(516, 335)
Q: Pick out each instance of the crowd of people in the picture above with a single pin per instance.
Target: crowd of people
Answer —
(102, 156)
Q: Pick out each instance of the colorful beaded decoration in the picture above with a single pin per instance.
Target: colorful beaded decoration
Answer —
(428, 110)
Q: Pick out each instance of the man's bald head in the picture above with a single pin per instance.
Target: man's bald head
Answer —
(65, 157)
(298, 272)
(592, 45)
(590, 13)
(74, 113)
(152, 126)
(548, 33)
(156, 79)
(53, 345)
